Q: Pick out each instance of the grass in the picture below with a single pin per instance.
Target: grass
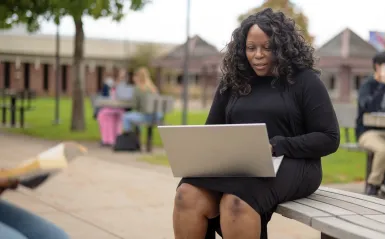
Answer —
(340, 167)
(40, 122)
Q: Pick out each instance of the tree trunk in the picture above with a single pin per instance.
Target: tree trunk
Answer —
(78, 121)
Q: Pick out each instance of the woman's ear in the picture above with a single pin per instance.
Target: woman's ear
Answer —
(381, 73)
(377, 72)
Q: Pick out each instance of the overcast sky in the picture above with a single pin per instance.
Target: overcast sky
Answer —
(214, 20)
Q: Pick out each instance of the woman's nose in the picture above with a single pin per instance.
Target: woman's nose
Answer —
(258, 53)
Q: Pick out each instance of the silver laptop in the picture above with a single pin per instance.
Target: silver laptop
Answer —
(232, 150)
(124, 91)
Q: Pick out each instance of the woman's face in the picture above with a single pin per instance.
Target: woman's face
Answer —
(137, 79)
(258, 51)
(380, 72)
(109, 81)
(122, 75)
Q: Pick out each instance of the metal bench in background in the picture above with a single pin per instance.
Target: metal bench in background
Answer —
(13, 102)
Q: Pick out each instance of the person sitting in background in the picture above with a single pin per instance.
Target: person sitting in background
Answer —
(371, 99)
(108, 84)
(109, 118)
(17, 223)
(144, 85)
(124, 90)
(105, 92)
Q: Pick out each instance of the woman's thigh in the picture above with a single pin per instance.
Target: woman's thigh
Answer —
(29, 224)
(10, 233)
(105, 115)
(299, 178)
(296, 178)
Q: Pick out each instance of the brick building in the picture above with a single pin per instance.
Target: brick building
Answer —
(27, 61)
(345, 61)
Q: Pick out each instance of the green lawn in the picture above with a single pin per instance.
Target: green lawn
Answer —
(39, 122)
(340, 167)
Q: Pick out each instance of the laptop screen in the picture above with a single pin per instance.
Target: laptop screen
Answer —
(124, 91)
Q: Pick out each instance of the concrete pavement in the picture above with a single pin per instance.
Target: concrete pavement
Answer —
(112, 195)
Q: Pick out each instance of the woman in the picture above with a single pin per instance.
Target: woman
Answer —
(144, 85)
(109, 118)
(17, 223)
(268, 77)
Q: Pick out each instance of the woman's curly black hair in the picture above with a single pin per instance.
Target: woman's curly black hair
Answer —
(291, 52)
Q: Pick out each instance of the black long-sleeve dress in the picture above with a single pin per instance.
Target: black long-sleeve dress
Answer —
(301, 125)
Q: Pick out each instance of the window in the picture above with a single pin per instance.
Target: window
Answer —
(357, 82)
(64, 78)
(332, 83)
(7, 77)
(130, 77)
(179, 79)
(45, 77)
(99, 72)
(196, 79)
(26, 76)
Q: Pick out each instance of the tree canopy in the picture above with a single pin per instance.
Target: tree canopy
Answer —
(289, 9)
(33, 12)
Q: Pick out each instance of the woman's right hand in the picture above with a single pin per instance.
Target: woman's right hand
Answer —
(7, 184)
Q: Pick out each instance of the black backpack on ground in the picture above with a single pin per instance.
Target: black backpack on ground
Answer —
(127, 142)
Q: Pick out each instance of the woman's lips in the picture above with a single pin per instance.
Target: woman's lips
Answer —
(260, 67)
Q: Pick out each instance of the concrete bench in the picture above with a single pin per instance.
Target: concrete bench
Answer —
(339, 214)
(152, 104)
(156, 104)
(346, 115)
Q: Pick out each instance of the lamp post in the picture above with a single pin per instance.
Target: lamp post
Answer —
(186, 66)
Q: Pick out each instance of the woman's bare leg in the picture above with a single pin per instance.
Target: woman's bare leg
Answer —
(238, 219)
(192, 209)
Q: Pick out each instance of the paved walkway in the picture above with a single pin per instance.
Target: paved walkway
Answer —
(111, 195)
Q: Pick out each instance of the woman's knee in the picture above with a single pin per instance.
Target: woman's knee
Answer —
(191, 197)
(53, 231)
(9, 232)
(126, 117)
(187, 196)
(233, 205)
(133, 116)
(41, 229)
(29, 224)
